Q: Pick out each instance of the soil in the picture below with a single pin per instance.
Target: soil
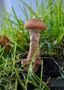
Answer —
(50, 68)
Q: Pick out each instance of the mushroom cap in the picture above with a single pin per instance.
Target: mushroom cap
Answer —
(35, 24)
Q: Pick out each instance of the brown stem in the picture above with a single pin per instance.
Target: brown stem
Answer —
(34, 44)
(33, 50)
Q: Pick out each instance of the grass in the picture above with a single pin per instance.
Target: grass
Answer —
(11, 71)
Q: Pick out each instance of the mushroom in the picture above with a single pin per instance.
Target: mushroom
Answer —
(35, 26)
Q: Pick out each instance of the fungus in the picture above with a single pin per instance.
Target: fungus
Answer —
(34, 26)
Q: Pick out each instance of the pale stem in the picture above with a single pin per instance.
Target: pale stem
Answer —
(34, 44)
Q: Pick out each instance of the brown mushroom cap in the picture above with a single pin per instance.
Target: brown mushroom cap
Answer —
(35, 24)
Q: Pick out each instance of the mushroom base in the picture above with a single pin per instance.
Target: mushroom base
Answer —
(35, 65)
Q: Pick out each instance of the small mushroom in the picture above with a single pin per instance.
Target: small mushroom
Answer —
(35, 26)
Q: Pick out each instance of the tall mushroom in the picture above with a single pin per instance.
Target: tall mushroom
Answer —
(35, 26)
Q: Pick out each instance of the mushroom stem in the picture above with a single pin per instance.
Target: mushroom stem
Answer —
(33, 51)
(34, 44)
